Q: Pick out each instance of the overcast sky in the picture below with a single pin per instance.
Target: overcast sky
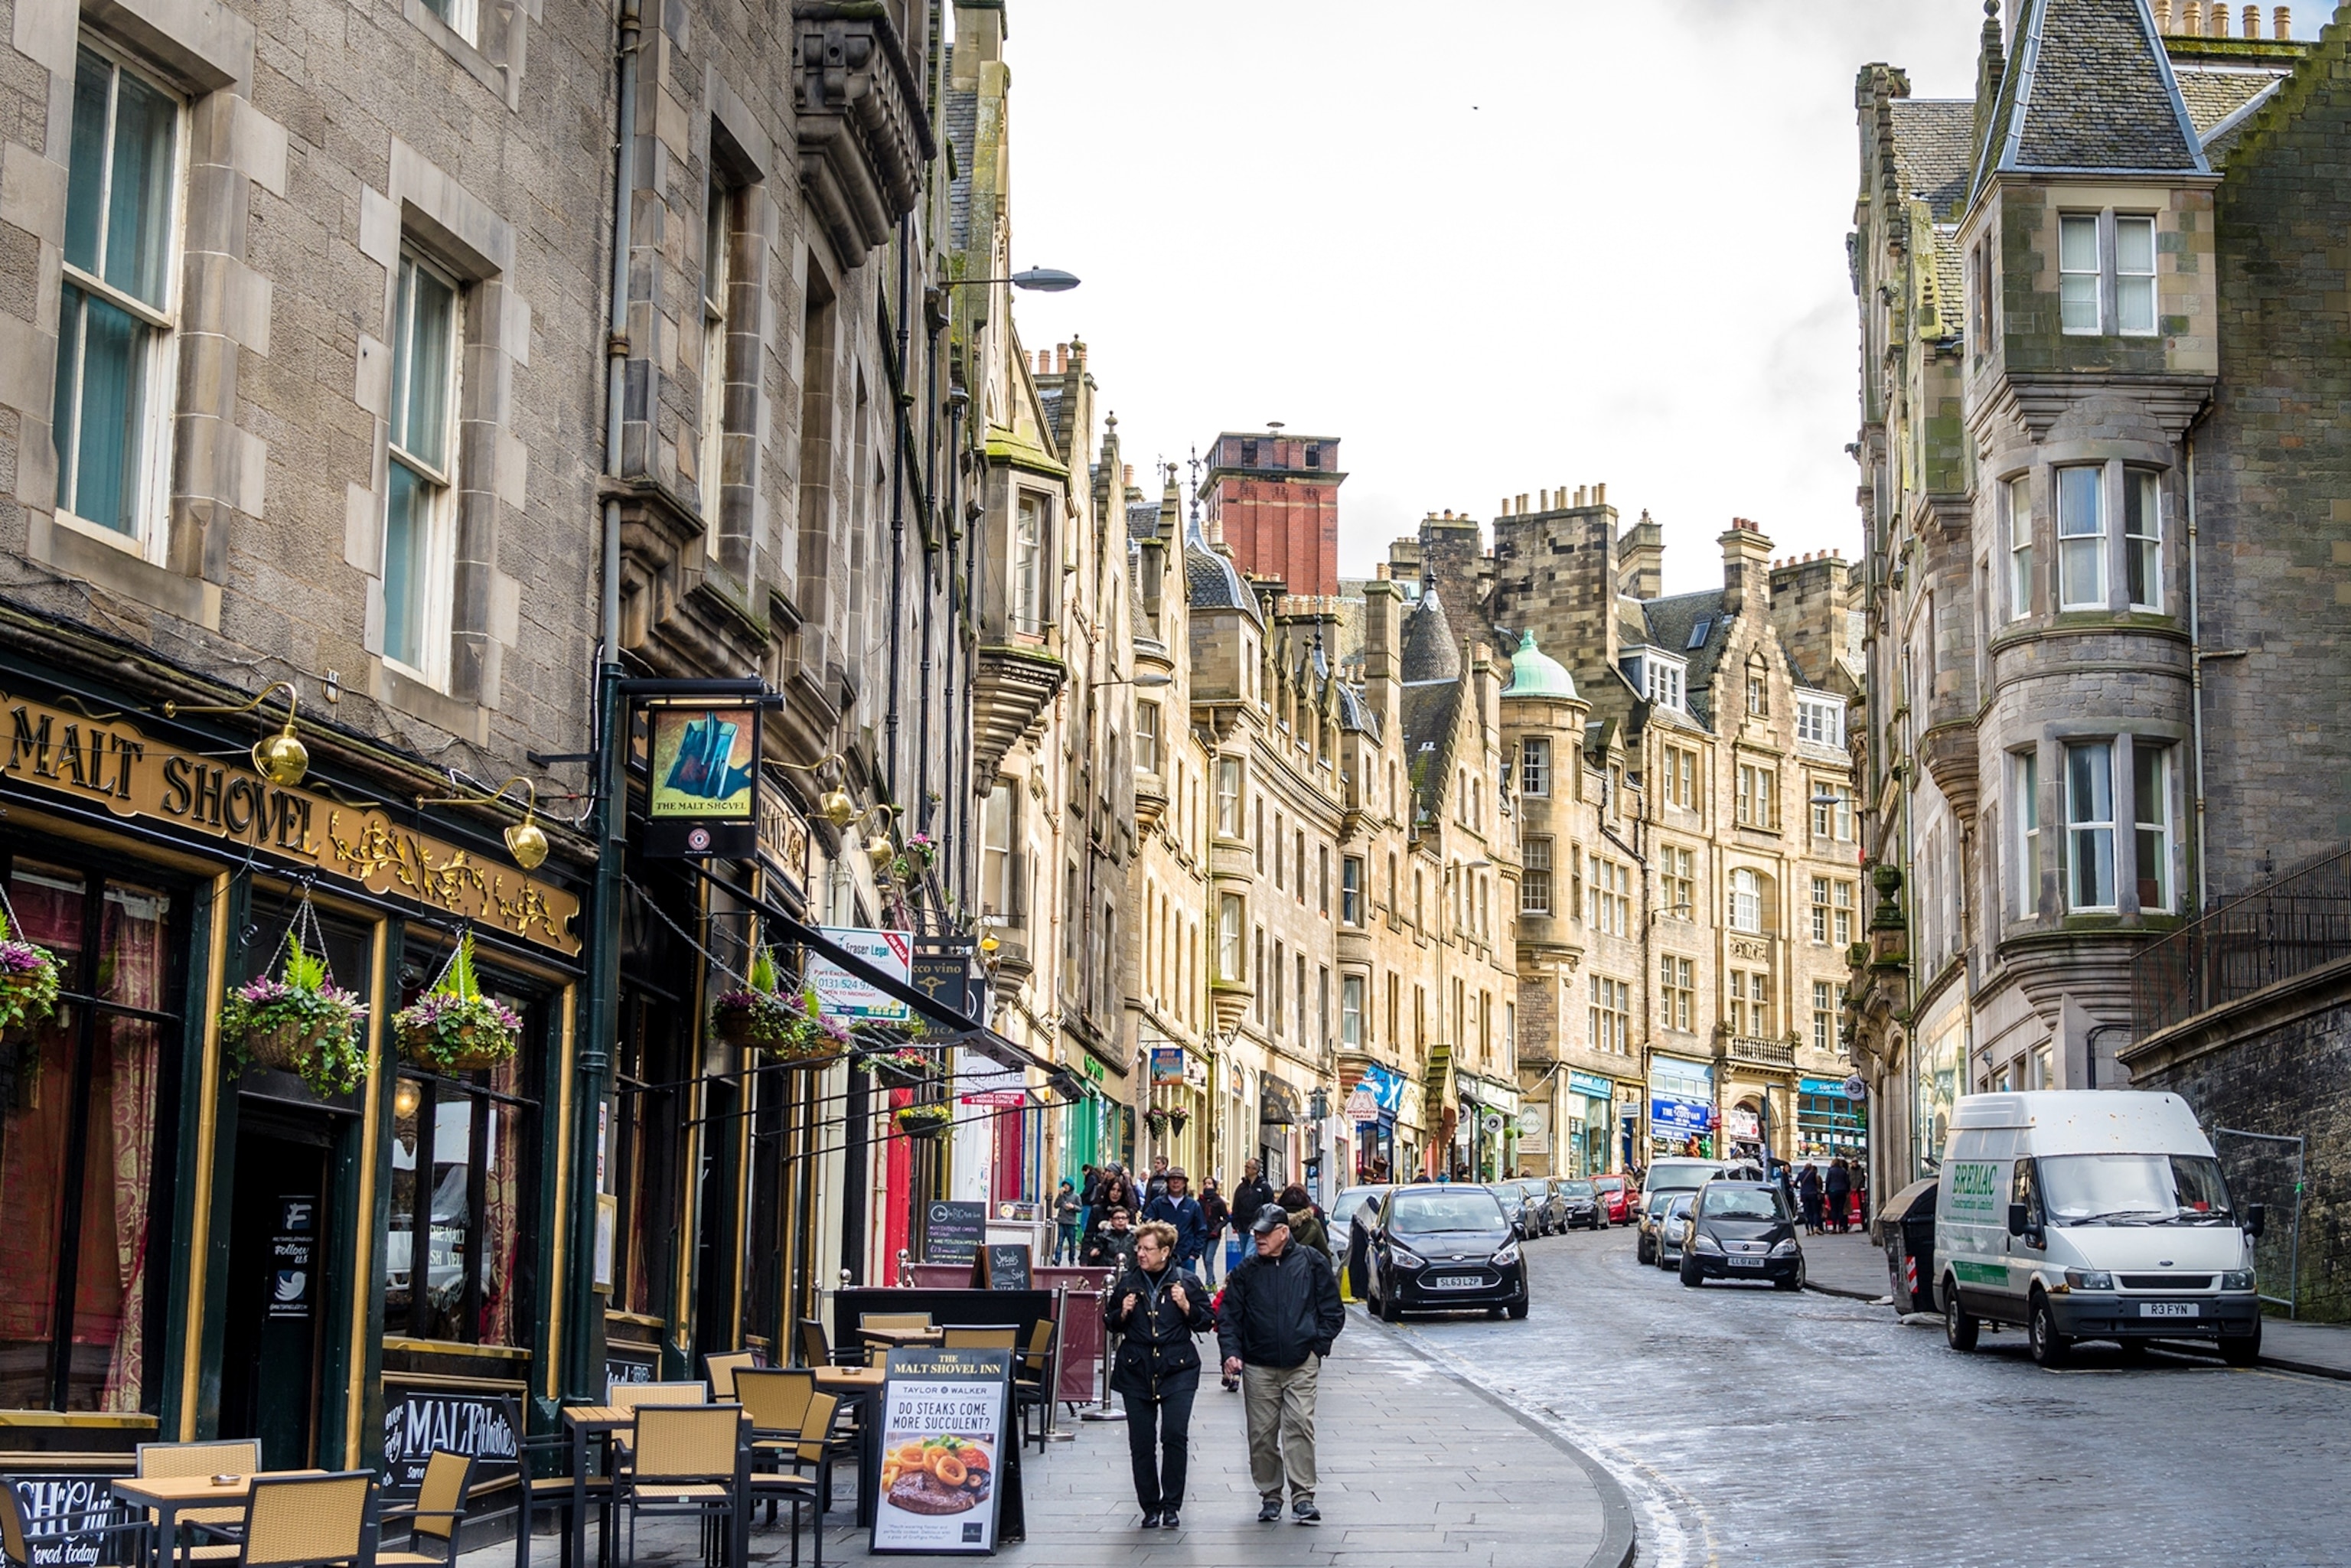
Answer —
(1493, 247)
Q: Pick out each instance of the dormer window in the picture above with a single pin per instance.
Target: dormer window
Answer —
(1820, 719)
(1665, 683)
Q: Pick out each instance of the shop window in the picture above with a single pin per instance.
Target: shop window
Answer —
(640, 1172)
(464, 1172)
(83, 1100)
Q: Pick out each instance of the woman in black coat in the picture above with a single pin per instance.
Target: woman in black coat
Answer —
(1156, 1308)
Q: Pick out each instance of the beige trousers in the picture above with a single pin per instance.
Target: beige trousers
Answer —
(1279, 1405)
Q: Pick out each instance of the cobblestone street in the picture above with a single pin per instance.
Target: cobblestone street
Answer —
(1750, 1426)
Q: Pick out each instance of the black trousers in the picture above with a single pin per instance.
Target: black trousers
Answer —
(1158, 1440)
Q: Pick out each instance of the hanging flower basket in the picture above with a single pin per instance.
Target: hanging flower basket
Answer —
(1156, 1120)
(785, 1027)
(923, 1121)
(921, 853)
(1177, 1119)
(28, 981)
(905, 1068)
(299, 1022)
(452, 1028)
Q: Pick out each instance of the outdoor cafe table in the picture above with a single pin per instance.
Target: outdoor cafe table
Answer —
(586, 1422)
(894, 1338)
(856, 1386)
(167, 1495)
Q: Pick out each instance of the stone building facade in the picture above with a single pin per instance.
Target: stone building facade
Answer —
(2099, 507)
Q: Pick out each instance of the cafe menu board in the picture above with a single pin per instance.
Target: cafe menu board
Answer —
(943, 1419)
(1002, 1266)
(954, 1231)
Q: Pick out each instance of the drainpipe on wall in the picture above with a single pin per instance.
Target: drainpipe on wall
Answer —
(2195, 654)
(584, 1366)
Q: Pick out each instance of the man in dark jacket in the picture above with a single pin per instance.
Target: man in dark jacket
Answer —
(1839, 1190)
(1179, 1208)
(1252, 1196)
(1280, 1312)
(1155, 1307)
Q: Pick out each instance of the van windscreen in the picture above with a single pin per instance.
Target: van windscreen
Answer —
(2134, 1189)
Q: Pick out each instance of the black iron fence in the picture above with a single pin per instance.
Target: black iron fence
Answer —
(2284, 929)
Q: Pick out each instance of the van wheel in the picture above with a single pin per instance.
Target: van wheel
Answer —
(2050, 1348)
(1959, 1325)
(2244, 1350)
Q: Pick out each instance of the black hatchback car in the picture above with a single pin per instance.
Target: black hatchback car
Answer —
(1436, 1248)
(1742, 1230)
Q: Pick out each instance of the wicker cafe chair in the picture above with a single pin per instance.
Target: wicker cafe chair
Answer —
(188, 1461)
(543, 1463)
(124, 1531)
(812, 1447)
(895, 1322)
(639, 1395)
(440, 1504)
(689, 1460)
(779, 1403)
(296, 1521)
(723, 1368)
(980, 1339)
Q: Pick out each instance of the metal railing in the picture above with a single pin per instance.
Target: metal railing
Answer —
(2287, 927)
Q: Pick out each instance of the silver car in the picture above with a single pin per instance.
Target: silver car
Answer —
(1673, 1230)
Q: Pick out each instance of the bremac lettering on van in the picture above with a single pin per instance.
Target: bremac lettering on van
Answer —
(104, 761)
(1974, 1187)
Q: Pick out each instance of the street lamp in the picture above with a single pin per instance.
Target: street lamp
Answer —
(1145, 680)
(1041, 279)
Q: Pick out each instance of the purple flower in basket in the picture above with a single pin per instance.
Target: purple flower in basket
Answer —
(23, 958)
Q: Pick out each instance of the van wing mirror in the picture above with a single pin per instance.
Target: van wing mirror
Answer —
(2020, 1220)
(2257, 1219)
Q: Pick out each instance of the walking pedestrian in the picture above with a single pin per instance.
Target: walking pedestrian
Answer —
(1155, 1308)
(1839, 1188)
(1178, 1206)
(1252, 1196)
(1280, 1312)
(1112, 1247)
(1306, 1226)
(1066, 1213)
(1808, 1184)
(1157, 1184)
(1860, 1174)
(1089, 1189)
(1216, 1215)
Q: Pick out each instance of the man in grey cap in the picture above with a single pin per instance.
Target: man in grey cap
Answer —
(1280, 1312)
(1179, 1208)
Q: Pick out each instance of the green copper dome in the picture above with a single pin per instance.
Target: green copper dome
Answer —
(1534, 673)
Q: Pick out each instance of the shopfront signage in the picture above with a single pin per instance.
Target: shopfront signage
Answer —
(109, 763)
(840, 995)
(1589, 1085)
(943, 1419)
(1166, 1065)
(1362, 1106)
(1002, 1266)
(784, 842)
(417, 1421)
(704, 799)
(1534, 1130)
(293, 1267)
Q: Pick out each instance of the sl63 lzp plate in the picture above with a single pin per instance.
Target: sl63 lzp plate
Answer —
(1455, 1283)
(2167, 1309)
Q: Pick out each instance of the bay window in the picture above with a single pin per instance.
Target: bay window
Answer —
(1028, 607)
(2081, 538)
(1351, 1011)
(1535, 766)
(1534, 885)
(2151, 819)
(1231, 955)
(1351, 890)
(2143, 538)
(2090, 825)
(2016, 521)
(2024, 813)
(1229, 797)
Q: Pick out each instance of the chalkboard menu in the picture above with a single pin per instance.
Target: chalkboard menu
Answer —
(1002, 1266)
(955, 1231)
(63, 1517)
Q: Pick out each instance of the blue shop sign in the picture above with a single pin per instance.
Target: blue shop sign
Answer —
(1671, 1117)
(1387, 1093)
(1831, 1087)
(1591, 1086)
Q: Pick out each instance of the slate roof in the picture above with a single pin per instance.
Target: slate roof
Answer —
(2212, 96)
(1671, 623)
(2222, 138)
(1951, 278)
(1933, 148)
(2088, 87)
(1212, 582)
(963, 129)
(1427, 715)
(1142, 519)
(1430, 652)
(1355, 714)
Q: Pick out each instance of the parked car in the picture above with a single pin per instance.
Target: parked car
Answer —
(2092, 1214)
(1441, 1248)
(1741, 1230)
(1352, 1213)
(1618, 1200)
(1653, 1211)
(1531, 1201)
(1672, 1227)
(1581, 1208)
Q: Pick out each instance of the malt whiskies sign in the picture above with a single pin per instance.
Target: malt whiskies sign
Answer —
(105, 761)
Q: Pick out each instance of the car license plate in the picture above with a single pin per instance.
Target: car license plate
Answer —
(1747, 1262)
(1455, 1283)
(2167, 1309)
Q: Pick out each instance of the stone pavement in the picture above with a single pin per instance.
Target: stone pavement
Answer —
(1854, 1266)
(1417, 1466)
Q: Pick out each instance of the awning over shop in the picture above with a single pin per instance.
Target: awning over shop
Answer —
(1436, 1088)
(1276, 1105)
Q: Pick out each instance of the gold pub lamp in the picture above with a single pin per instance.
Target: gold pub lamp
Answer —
(281, 759)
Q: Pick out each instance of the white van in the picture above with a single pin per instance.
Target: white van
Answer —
(1681, 1173)
(2091, 1213)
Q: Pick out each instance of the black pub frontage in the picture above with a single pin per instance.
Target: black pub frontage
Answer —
(199, 1248)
